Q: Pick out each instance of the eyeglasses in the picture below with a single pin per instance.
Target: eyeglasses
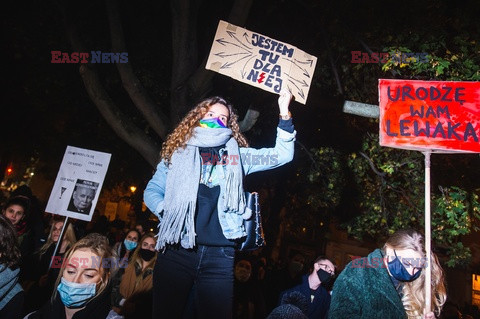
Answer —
(327, 268)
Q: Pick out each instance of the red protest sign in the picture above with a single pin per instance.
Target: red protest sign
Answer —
(430, 115)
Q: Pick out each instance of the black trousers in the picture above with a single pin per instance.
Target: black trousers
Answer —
(194, 283)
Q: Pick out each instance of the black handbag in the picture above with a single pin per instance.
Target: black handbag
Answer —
(253, 226)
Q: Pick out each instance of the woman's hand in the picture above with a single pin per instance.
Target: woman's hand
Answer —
(284, 101)
(429, 315)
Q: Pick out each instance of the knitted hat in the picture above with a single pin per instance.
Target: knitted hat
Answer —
(294, 305)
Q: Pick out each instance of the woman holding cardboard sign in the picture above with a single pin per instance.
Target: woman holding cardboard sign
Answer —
(197, 193)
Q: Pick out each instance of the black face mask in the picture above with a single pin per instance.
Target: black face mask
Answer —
(146, 254)
(324, 276)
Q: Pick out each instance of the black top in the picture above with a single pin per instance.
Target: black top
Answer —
(319, 305)
(208, 229)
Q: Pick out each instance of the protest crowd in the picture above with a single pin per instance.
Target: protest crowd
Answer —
(191, 267)
(104, 270)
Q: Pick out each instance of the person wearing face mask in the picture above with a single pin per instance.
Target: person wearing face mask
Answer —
(83, 286)
(39, 276)
(313, 287)
(198, 195)
(389, 283)
(125, 248)
(133, 296)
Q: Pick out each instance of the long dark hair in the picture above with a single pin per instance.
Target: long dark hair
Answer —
(123, 249)
(19, 200)
(10, 253)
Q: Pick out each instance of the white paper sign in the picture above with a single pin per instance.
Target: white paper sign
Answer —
(78, 183)
(261, 61)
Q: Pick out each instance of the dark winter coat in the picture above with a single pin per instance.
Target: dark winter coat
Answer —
(318, 307)
(97, 308)
(364, 290)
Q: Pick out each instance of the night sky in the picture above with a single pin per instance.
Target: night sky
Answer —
(45, 105)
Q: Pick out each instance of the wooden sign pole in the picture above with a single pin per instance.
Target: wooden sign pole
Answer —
(59, 241)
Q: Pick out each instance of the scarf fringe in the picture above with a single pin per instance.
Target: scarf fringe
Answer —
(235, 196)
(177, 224)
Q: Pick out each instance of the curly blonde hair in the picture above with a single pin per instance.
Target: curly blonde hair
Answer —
(414, 292)
(182, 133)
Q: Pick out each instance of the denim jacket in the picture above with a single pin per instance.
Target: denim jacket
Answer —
(252, 160)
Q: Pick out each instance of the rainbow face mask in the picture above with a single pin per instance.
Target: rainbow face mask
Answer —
(212, 123)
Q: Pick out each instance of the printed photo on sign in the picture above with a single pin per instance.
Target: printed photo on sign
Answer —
(78, 184)
(82, 196)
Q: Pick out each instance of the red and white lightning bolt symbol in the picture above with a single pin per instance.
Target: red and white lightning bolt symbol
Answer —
(261, 77)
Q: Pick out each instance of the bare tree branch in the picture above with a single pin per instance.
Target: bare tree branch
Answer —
(200, 81)
(249, 120)
(191, 81)
(119, 122)
(184, 55)
(140, 97)
(309, 154)
(372, 166)
(332, 62)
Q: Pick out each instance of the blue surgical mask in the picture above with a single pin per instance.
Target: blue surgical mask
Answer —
(398, 270)
(130, 245)
(75, 295)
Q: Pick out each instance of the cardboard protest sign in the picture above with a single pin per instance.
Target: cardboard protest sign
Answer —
(78, 183)
(261, 61)
(441, 116)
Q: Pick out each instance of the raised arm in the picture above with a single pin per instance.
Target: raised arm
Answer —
(256, 160)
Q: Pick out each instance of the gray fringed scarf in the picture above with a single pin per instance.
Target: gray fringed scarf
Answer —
(181, 190)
